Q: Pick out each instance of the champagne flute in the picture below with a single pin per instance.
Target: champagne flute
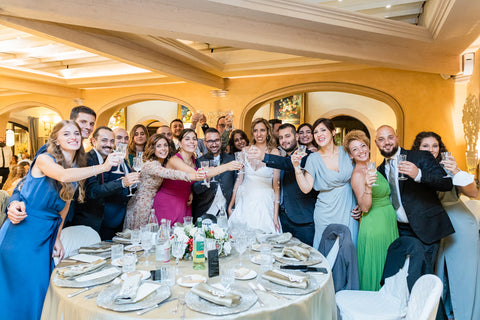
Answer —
(401, 157)
(135, 239)
(241, 243)
(137, 166)
(240, 157)
(213, 163)
(121, 149)
(446, 156)
(204, 165)
(302, 152)
(372, 170)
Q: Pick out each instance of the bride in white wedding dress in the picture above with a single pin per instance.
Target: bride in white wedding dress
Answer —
(256, 194)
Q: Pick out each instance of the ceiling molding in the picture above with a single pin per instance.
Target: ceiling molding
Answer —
(31, 86)
(436, 15)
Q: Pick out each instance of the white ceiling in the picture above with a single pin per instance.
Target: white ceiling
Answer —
(114, 43)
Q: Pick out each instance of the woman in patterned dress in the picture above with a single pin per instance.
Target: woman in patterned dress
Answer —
(157, 152)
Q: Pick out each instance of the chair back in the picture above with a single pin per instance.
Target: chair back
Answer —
(75, 237)
(337, 245)
(424, 298)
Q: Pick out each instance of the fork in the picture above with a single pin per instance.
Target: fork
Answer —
(262, 288)
(254, 288)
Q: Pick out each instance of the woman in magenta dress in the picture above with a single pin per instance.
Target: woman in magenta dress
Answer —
(174, 198)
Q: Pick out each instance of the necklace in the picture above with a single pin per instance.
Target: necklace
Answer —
(330, 155)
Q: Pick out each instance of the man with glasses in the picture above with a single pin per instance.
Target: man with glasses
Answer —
(209, 200)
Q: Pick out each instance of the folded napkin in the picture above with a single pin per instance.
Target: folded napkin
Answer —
(194, 278)
(128, 291)
(241, 272)
(86, 257)
(96, 275)
(81, 269)
(282, 238)
(217, 296)
(296, 252)
(286, 279)
(95, 249)
(125, 234)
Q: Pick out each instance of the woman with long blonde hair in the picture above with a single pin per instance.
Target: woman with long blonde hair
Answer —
(256, 194)
(28, 242)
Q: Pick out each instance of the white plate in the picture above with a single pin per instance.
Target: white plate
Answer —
(119, 262)
(256, 247)
(131, 248)
(184, 281)
(145, 274)
(255, 259)
(250, 275)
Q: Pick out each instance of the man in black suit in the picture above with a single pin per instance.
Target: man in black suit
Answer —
(209, 200)
(419, 212)
(296, 207)
(106, 194)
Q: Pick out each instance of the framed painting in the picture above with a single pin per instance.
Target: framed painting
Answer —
(184, 114)
(289, 109)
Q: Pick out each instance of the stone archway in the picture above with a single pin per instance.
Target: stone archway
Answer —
(391, 102)
(105, 112)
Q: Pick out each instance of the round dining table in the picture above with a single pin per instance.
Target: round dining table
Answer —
(319, 304)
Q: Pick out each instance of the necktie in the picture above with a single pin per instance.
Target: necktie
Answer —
(392, 178)
(3, 159)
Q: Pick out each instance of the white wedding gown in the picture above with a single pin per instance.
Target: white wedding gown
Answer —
(254, 202)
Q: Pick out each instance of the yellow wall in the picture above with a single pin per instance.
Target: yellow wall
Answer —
(428, 101)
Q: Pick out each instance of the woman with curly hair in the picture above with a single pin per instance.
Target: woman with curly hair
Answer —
(138, 140)
(157, 153)
(256, 194)
(459, 253)
(28, 243)
(238, 140)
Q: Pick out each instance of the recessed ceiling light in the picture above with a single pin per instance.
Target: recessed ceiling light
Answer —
(388, 6)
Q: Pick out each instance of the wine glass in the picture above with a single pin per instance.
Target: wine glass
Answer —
(178, 250)
(302, 152)
(401, 157)
(205, 165)
(121, 149)
(227, 276)
(241, 243)
(137, 166)
(213, 163)
(446, 156)
(372, 170)
(135, 239)
(146, 241)
(240, 157)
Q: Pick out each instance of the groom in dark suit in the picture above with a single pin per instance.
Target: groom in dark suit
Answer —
(296, 207)
(419, 212)
(210, 199)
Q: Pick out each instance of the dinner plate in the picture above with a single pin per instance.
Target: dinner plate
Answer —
(249, 298)
(256, 259)
(106, 299)
(313, 284)
(145, 274)
(314, 258)
(191, 280)
(131, 248)
(119, 262)
(72, 283)
(250, 275)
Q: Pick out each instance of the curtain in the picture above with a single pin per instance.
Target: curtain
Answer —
(33, 135)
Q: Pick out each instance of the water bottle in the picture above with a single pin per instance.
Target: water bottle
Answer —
(162, 248)
(199, 248)
(222, 220)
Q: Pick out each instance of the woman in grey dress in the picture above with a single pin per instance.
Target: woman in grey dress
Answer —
(328, 171)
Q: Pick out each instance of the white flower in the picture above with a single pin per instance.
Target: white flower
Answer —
(193, 232)
(218, 232)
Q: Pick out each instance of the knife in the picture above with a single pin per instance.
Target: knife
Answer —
(154, 306)
(71, 295)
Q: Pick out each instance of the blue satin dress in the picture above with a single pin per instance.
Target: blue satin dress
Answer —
(26, 250)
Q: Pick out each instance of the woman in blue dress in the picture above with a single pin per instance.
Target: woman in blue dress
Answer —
(328, 171)
(27, 246)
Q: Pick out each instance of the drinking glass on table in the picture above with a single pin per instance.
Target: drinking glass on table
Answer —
(135, 238)
(266, 258)
(187, 221)
(401, 157)
(446, 156)
(178, 250)
(372, 170)
(121, 149)
(241, 243)
(205, 165)
(227, 276)
(129, 261)
(117, 252)
(146, 241)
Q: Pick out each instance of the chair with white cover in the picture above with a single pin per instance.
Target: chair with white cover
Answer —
(4, 197)
(390, 302)
(75, 237)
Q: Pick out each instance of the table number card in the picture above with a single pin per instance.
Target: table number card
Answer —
(213, 263)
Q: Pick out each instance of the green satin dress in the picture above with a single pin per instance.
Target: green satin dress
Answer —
(378, 229)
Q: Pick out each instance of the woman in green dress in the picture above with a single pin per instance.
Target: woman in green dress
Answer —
(378, 225)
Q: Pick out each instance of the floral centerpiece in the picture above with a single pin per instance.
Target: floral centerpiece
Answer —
(187, 233)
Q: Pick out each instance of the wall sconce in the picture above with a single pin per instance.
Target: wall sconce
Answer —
(10, 138)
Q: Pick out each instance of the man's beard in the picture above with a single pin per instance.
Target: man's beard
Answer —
(389, 154)
(292, 147)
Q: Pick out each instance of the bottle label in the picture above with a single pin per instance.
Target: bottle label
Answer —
(199, 250)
